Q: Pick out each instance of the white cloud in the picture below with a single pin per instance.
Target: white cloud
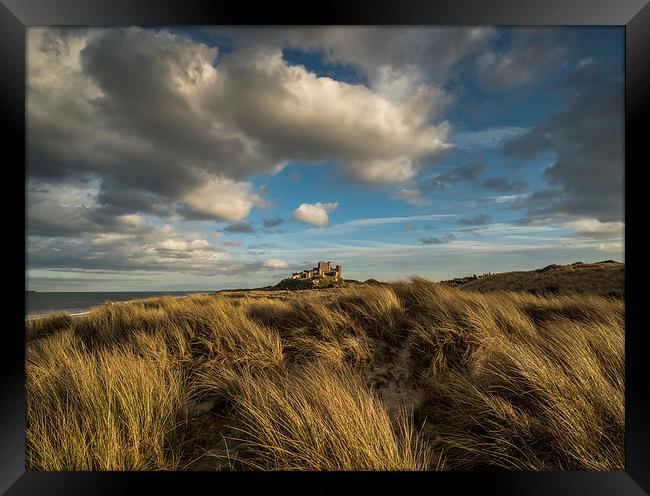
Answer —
(395, 60)
(289, 114)
(172, 244)
(131, 221)
(611, 247)
(223, 198)
(593, 228)
(412, 195)
(151, 113)
(316, 214)
(397, 170)
(274, 263)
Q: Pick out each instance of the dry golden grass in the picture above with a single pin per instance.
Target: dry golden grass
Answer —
(519, 381)
(108, 410)
(318, 418)
(510, 380)
(602, 278)
(39, 327)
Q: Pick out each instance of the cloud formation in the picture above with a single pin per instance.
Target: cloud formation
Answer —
(158, 114)
(394, 61)
(438, 240)
(416, 193)
(586, 137)
(274, 222)
(274, 263)
(504, 184)
(146, 145)
(593, 228)
(315, 214)
(478, 220)
(531, 55)
(240, 227)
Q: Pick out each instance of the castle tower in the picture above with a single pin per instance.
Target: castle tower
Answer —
(323, 267)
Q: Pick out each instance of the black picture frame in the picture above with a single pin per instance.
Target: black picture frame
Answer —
(16, 15)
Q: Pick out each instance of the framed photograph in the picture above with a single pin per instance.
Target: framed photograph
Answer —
(373, 240)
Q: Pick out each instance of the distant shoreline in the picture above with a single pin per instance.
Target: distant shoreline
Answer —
(81, 313)
(605, 278)
(46, 315)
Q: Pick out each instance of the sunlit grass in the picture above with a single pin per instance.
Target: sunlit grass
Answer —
(510, 380)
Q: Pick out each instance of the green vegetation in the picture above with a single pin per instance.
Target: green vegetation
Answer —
(491, 380)
(300, 284)
(293, 284)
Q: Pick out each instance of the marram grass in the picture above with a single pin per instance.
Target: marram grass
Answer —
(509, 380)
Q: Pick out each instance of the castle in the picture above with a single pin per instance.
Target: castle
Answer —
(324, 270)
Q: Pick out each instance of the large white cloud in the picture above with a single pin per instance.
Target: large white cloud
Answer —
(223, 198)
(153, 113)
(394, 60)
(290, 114)
(315, 214)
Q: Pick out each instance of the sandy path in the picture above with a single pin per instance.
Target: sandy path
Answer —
(390, 378)
(213, 443)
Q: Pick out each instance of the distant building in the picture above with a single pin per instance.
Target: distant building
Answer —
(324, 270)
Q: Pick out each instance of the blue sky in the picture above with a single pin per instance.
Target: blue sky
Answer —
(203, 158)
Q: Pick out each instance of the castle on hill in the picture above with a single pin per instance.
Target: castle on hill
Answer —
(324, 270)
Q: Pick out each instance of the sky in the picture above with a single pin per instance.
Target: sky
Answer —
(202, 158)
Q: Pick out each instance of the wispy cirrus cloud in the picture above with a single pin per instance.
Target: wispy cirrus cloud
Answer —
(491, 137)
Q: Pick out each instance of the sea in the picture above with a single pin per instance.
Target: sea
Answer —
(44, 303)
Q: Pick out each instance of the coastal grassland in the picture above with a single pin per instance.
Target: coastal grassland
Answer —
(290, 379)
(38, 327)
(519, 381)
(320, 417)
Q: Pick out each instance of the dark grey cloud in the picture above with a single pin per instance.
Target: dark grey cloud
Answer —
(112, 104)
(130, 129)
(478, 220)
(159, 250)
(71, 210)
(532, 54)
(240, 227)
(541, 202)
(504, 184)
(438, 240)
(526, 147)
(465, 173)
(274, 222)
(587, 141)
(169, 130)
(410, 228)
(379, 53)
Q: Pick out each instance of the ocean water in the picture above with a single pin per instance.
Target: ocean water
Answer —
(72, 302)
